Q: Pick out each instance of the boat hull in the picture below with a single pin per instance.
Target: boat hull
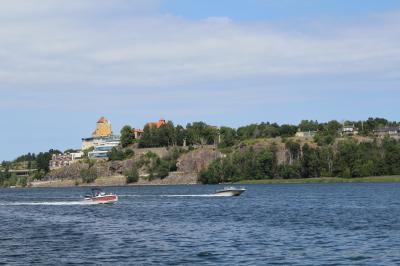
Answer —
(106, 199)
(229, 193)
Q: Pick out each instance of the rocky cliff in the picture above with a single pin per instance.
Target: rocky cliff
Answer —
(197, 160)
(189, 164)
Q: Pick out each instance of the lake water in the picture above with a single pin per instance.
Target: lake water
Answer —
(321, 224)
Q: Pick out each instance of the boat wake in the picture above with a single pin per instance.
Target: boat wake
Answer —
(172, 196)
(47, 203)
(87, 202)
(198, 195)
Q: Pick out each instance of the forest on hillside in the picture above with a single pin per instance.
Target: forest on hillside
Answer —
(327, 153)
(200, 133)
(347, 158)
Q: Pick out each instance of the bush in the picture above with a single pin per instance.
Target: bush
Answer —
(11, 181)
(88, 175)
(119, 155)
(289, 171)
(38, 175)
(132, 175)
(346, 173)
(22, 181)
(162, 170)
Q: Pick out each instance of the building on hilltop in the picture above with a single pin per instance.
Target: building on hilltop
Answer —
(387, 131)
(88, 143)
(60, 160)
(101, 149)
(349, 130)
(103, 134)
(157, 124)
(138, 133)
(305, 134)
(102, 140)
(103, 128)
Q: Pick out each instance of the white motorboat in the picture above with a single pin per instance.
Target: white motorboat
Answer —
(230, 191)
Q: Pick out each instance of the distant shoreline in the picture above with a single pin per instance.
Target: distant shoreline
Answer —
(120, 181)
(323, 180)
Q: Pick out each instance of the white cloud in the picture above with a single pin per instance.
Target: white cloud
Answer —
(62, 60)
(61, 47)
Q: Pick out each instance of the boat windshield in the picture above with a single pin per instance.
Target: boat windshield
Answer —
(233, 188)
(96, 191)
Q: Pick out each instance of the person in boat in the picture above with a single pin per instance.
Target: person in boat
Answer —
(96, 192)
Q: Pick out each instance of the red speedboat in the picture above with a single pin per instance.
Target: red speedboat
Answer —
(100, 197)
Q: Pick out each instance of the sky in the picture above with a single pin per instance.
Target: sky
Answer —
(65, 63)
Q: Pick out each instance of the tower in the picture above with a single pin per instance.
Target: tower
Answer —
(103, 128)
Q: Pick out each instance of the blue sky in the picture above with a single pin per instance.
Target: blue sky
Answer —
(65, 64)
(261, 10)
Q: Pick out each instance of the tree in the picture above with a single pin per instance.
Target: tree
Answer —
(327, 133)
(180, 135)
(293, 149)
(166, 135)
(392, 156)
(326, 156)
(247, 132)
(43, 159)
(150, 137)
(127, 136)
(228, 137)
(374, 123)
(199, 133)
(333, 127)
(287, 130)
(70, 151)
(27, 157)
(346, 158)
(310, 162)
(308, 125)
(265, 163)
(214, 174)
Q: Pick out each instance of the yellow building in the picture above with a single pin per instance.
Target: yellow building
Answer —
(103, 128)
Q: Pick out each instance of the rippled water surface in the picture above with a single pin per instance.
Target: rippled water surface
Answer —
(332, 224)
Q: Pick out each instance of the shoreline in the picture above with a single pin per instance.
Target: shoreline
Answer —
(121, 181)
(322, 180)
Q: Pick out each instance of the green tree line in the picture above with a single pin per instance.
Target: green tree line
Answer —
(38, 161)
(200, 133)
(348, 158)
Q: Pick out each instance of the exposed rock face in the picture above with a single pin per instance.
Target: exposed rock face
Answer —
(103, 168)
(189, 165)
(259, 145)
(197, 160)
(70, 171)
(119, 167)
(174, 178)
(161, 152)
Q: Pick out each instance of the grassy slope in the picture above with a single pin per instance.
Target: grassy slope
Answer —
(372, 179)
